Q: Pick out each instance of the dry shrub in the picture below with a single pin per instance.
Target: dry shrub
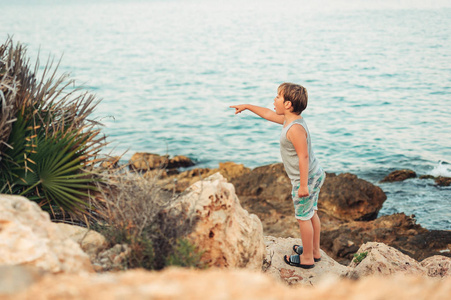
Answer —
(134, 210)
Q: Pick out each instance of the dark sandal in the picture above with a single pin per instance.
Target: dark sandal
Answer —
(299, 250)
(295, 261)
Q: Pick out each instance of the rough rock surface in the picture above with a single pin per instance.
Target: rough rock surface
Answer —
(349, 198)
(275, 266)
(179, 161)
(143, 161)
(342, 240)
(180, 182)
(228, 234)
(443, 181)
(384, 260)
(29, 238)
(399, 175)
(437, 266)
(227, 284)
(90, 241)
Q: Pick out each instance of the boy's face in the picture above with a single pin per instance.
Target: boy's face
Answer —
(279, 105)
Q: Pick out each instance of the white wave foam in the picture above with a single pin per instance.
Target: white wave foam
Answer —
(442, 169)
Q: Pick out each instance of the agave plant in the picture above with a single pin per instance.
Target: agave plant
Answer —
(48, 146)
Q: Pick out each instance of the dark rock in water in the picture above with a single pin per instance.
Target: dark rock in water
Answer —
(179, 161)
(440, 180)
(427, 177)
(347, 197)
(143, 161)
(443, 181)
(399, 175)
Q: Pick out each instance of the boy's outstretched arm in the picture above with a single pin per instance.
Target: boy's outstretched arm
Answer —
(263, 112)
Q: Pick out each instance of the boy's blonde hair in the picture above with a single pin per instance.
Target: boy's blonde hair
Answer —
(296, 94)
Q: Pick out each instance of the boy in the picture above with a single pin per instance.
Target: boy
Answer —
(301, 165)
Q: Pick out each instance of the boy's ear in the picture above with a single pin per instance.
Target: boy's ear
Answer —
(287, 104)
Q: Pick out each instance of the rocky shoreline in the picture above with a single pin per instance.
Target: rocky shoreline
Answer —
(348, 206)
(244, 227)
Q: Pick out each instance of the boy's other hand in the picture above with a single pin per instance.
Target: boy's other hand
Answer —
(303, 192)
(238, 108)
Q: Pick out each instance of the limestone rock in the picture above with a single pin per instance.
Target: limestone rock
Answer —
(399, 175)
(90, 241)
(275, 266)
(228, 234)
(29, 238)
(348, 197)
(113, 259)
(142, 161)
(437, 266)
(384, 260)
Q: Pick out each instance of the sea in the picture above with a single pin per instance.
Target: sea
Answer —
(378, 75)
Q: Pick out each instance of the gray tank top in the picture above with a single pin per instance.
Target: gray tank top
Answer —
(289, 156)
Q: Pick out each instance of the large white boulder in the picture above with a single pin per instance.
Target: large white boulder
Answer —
(29, 238)
(226, 233)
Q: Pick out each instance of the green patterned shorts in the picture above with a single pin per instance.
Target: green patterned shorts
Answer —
(304, 208)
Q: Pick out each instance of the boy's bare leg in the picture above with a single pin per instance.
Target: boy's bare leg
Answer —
(306, 228)
(316, 235)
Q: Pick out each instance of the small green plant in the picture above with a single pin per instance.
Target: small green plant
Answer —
(358, 257)
(185, 255)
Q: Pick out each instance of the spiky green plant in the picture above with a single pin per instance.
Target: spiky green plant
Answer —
(48, 146)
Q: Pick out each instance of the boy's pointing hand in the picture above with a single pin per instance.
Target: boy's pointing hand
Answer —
(238, 108)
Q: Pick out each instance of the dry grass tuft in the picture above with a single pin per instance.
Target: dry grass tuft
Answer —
(134, 210)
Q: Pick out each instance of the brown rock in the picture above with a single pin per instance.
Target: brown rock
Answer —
(443, 181)
(437, 266)
(182, 181)
(275, 266)
(267, 182)
(142, 161)
(231, 170)
(341, 241)
(179, 161)
(111, 162)
(226, 233)
(399, 175)
(347, 197)
(384, 260)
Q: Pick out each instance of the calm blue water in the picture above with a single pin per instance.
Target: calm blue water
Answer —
(378, 76)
